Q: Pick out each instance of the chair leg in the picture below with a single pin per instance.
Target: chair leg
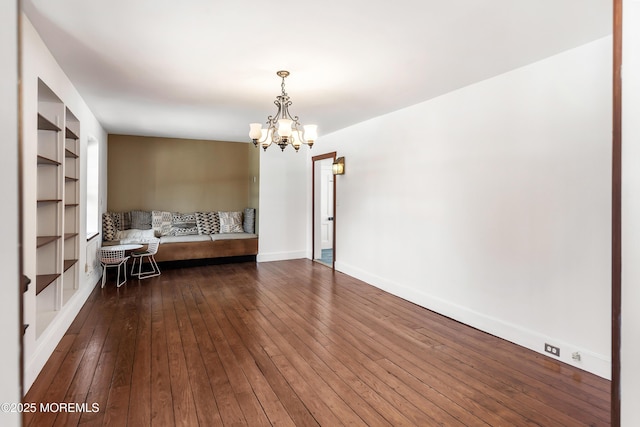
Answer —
(155, 270)
(104, 274)
(138, 274)
(140, 268)
(124, 269)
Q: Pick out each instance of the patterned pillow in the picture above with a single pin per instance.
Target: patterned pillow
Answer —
(161, 223)
(183, 224)
(122, 220)
(248, 225)
(183, 231)
(183, 220)
(109, 229)
(118, 221)
(230, 222)
(208, 222)
(141, 220)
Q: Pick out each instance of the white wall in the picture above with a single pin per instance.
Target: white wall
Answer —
(491, 204)
(283, 194)
(630, 357)
(9, 250)
(37, 62)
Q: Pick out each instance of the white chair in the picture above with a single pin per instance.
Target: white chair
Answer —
(113, 258)
(152, 249)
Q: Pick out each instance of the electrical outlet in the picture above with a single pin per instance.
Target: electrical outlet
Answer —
(552, 349)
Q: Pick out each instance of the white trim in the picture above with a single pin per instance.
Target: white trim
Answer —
(597, 364)
(281, 256)
(50, 338)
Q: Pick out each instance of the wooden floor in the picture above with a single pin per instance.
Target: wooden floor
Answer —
(290, 343)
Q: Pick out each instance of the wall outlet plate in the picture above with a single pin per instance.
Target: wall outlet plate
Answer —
(552, 349)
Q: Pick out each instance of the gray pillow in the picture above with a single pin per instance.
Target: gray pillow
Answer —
(249, 222)
(141, 220)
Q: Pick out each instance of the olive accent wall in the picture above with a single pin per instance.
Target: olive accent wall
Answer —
(179, 175)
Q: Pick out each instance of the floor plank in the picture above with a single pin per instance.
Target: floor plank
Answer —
(292, 343)
(139, 413)
(161, 398)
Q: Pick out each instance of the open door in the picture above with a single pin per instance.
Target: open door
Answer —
(324, 203)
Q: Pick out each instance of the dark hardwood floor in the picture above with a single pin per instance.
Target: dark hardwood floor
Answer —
(290, 343)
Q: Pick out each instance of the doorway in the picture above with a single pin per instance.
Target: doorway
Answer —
(323, 211)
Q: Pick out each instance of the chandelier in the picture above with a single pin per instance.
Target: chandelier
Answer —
(283, 129)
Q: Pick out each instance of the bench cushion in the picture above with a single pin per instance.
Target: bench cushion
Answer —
(185, 239)
(233, 236)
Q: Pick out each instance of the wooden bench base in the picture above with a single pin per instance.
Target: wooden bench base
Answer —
(182, 251)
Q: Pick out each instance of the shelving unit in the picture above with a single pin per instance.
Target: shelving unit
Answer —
(71, 206)
(57, 207)
(49, 207)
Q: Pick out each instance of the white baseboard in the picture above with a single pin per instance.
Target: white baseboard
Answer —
(280, 256)
(594, 363)
(48, 341)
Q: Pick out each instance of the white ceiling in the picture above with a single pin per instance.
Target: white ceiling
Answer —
(204, 69)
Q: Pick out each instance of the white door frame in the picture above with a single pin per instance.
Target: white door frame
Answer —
(314, 209)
